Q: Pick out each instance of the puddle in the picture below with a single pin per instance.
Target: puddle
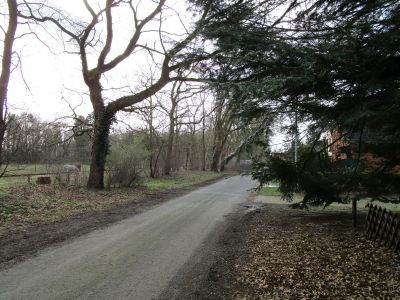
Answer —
(252, 207)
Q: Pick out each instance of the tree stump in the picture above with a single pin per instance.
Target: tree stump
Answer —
(43, 180)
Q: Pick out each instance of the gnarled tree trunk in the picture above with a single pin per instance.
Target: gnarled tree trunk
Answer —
(100, 149)
(217, 151)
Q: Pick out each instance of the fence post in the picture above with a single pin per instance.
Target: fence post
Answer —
(394, 233)
(354, 210)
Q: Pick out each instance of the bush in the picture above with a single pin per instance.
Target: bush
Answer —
(125, 163)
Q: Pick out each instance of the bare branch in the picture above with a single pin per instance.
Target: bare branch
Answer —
(135, 38)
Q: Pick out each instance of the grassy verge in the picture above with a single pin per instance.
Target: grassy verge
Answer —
(179, 181)
(26, 205)
(273, 191)
(270, 191)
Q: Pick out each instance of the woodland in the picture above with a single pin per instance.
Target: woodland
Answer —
(218, 91)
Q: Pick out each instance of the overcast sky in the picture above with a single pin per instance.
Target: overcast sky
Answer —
(52, 77)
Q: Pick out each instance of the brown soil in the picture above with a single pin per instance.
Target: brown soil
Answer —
(278, 253)
(21, 244)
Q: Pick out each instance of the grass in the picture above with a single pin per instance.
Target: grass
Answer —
(20, 169)
(270, 191)
(180, 180)
(273, 191)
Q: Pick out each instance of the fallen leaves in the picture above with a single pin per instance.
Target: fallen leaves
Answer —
(31, 205)
(287, 254)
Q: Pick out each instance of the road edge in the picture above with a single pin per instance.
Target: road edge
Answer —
(24, 245)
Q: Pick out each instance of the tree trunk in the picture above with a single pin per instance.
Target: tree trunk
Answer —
(203, 141)
(170, 143)
(157, 159)
(178, 151)
(3, 127)
(187, 158)
(216, 157)
(222, 164)
(203, 152)
(217, 147)
(354, 211)
(152, 171)
(6, 62)
(100, 149)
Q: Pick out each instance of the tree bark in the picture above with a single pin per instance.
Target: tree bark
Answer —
(6, 68)
(354, 211)
(100, 147)
(170, 143)
(221, 131)
(217, 151)
(222, 163)
(203, 143)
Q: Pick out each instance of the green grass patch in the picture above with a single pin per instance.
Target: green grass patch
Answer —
(6, 183)
(180, 180)
(20, 169)
(270, 191)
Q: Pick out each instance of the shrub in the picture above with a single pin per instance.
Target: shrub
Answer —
(125, 163)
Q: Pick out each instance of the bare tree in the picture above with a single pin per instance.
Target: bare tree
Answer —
(171, 110)
(31, 140)
(151, 129)
(181, 108)
(222, 128)
(203, 136)
(195, 158)
(6, 64)
(86, 37)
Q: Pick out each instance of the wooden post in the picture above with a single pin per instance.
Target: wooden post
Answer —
(395, 233)
(354, 211)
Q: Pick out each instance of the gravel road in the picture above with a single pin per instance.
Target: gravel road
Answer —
(133, 259)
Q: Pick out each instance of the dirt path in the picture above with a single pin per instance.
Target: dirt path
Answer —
(132, 259)
(279, 253)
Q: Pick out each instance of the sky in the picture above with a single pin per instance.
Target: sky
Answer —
(48, 81)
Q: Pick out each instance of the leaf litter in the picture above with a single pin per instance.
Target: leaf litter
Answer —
(281, 253)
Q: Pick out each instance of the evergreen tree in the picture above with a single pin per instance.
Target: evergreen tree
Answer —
(335, 64)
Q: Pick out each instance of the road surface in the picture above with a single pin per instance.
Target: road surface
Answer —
(132, 259)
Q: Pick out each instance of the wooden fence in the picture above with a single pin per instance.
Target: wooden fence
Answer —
(29, 176)
(383, 226)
